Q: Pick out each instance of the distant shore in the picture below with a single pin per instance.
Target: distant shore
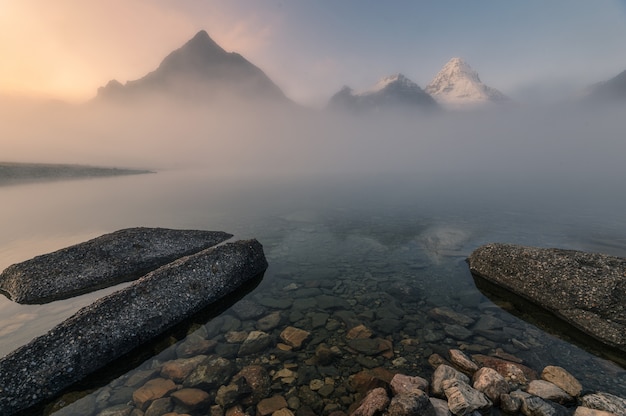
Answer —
(14, 172)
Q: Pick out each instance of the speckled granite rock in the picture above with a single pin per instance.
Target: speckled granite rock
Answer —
(101, 262)
(115, 324)
(587, 290)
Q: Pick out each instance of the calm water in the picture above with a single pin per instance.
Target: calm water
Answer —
(387, 249)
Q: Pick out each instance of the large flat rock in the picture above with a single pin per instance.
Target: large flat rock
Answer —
(586, 290)
(104, 261)
(118, 323)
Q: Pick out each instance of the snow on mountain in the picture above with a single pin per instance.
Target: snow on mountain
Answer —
(390, 92)
(457, 85)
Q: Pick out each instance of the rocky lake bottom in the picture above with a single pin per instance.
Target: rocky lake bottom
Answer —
(354, 290)
(332, 307)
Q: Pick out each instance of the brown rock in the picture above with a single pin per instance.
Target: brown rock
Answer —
(359, 332)
(270, 405)
(510, 404)
(269, 322)
(367, 380)
(462, 362)
(518, 375)
(157, 407)
(152, 390)
(374, 402)
(447, 315)
(435, 360)
(236, 337)
(440, 406)
(194, 346)
(444, 373)
(606, 402)
(585, 411)
(294, 336)
(256, 342)
(192, 398)
(235, 411)
(283, 412)
(563, 379)
(463, 400)
(536, 406)
(259, 381)
(211, 373)
(403, 384)
(324, 355)
(491, 383)
(179, 369)
(416, 403)
(548, 391)
(371, 346)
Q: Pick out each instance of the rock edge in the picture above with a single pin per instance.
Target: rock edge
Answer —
(113, 258)
(586, 290)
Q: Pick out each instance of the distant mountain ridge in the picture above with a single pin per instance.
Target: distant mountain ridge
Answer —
(390, 93)
(199, 70)
(612, 90)
(458, 85)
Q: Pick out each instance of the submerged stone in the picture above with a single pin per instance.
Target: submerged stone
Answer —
(116, 324)
(113, 258)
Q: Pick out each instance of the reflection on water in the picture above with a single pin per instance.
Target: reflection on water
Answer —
(387, 255)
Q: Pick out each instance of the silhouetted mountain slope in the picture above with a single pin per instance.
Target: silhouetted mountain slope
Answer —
(611, 90)
(199, 70)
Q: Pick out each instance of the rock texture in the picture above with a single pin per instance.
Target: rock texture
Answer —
(115, 324)
(101, 262)
(587, 290)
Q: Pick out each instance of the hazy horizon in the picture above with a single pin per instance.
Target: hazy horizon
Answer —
(530, 51)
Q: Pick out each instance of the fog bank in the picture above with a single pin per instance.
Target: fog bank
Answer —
(567, 145)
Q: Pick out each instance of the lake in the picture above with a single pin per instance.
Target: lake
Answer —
(385, 250)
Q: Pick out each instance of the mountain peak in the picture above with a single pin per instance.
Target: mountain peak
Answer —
(390, 92)
(458, 67)
(458, 85)
(202, 43)
(200, 69)
(386, 81)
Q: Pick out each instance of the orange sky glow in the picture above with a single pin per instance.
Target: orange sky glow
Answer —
(68, 48)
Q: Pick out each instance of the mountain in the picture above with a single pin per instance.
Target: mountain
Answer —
(611, 90)
(200, 70)
(390, 93)
(457, 85)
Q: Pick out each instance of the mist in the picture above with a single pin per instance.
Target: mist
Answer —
(562, 144)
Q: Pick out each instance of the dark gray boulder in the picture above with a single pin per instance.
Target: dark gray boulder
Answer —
(113, 258)
(116, 324)
(586, 290)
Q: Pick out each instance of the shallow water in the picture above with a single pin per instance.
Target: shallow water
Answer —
(384, 251)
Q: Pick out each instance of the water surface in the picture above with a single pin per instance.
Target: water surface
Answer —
(388, 249)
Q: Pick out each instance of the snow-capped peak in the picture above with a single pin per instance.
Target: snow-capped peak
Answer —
(457, 85)
(458, 68)
(386, 81)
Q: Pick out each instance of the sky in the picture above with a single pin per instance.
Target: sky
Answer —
(531, 49)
